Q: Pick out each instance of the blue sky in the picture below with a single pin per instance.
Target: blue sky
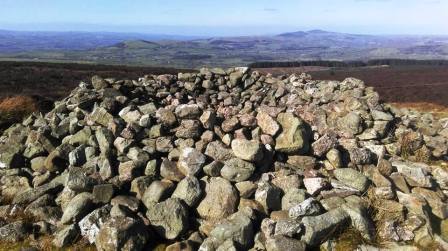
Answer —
(228, 17)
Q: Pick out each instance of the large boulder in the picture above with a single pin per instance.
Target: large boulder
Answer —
(352, 178)
(247, 150)
(91, 224)
(121, 233)
(169, 218)
(77, 208)
(319, 228)
(191, 161)
(238, 228)
(267, 124)
(220, 201)
(188, 190)
(237, 170)
(293, 137)
(14, 232)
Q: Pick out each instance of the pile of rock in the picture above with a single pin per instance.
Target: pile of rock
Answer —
(224, 160)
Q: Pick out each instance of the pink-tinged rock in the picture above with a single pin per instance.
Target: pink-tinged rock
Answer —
(315, 185)
(321, 146)
(267, 124)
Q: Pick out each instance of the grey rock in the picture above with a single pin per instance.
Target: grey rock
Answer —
(360, 219)
(237, 170)
(105, 140)
(380, 115)
(293, 137)
(191, 161)
(293, 197)
(151, 168)
(77, 208)
(169, 170)
(166, 117)
(98, 82)
(91, 224)
(352, 178)
(188, 111)
(159, 190)
(101, 116)
(238, 227)
(44, 200)
(81, 137)
(14, 232)
(107, 170)
(128, 171)
(121, 233)
(228, 245)
(360, 156)
(209, 244)
(66, 236)
(308, 207)
(78, 181)
(269, 196)
(288, 227)
(148, 109)
(77, 157)
(280, 243)
(208, 119)
(441, 176)
(145, 121)
(164, 144)
(129, 202)
(130, 116)
(188, 190)
(218, 151)
(331, 202)
(351, 123)
(168, 218)
(246, 189)
(221, 200)
(10, 156)
(140, 184)
(230, 124)
(247, 150)
(123, 144)
(189, 129)
(318, 228)
(30, 195)
(38, 164)
(334, 157)
(235, 78)
(213, 169)
(414, 171)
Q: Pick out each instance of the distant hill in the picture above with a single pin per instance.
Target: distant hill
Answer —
(188, 52)
(20, 41)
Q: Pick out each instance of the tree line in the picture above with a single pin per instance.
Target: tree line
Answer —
(330, 63)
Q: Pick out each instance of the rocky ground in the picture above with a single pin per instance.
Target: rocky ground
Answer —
(225, 160)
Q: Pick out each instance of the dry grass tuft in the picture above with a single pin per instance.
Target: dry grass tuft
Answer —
(17, 106)
(438, 111)
(15, 109)
(350, 239)
(405, 144)
(44, 243)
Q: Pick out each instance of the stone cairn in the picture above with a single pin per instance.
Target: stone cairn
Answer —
(225, 160)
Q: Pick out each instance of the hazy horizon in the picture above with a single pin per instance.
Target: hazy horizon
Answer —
(194, 31)
(228, 18)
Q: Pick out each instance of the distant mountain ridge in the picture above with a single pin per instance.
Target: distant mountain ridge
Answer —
(19, 41)
(193, 52)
